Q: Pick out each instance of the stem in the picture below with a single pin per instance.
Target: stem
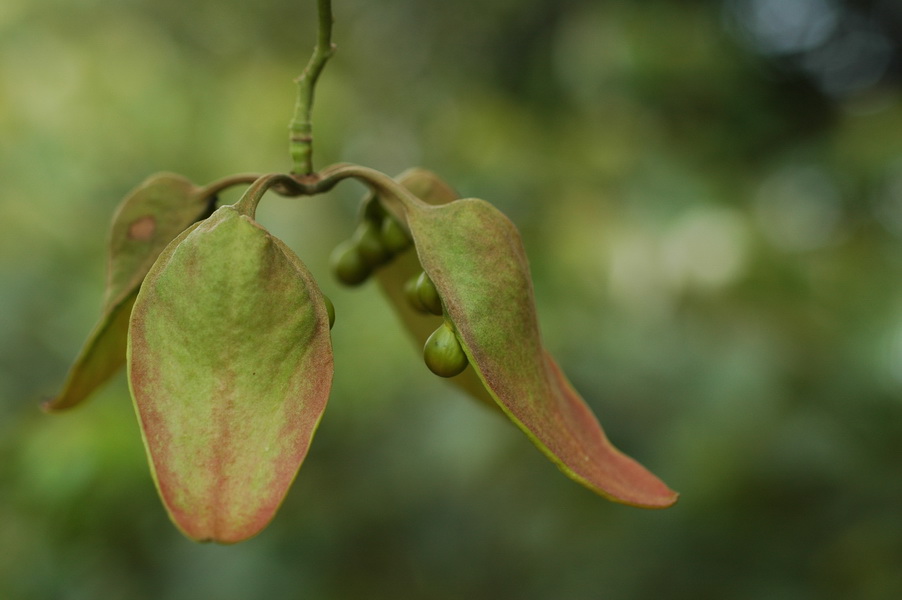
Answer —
(212, 189)
(379, 182)
(301, 127)
(284, 184)
(317, 183)
(284, 187)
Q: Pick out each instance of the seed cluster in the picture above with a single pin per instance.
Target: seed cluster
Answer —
(378, 238)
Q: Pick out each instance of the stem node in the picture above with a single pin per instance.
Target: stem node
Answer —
(300, 144)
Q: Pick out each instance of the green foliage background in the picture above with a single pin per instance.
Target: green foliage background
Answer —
(716, 247)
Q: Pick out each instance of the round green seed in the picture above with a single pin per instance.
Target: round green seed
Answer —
(369, 244)
(330, 308)
(443, 353)
(373, 210)
(428, 295)
(348, 265)
(393, 236)
(413, 297)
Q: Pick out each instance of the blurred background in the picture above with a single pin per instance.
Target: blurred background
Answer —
(710, 192)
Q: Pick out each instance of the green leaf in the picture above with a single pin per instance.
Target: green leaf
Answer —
(146, 221)
(230, 367)
(475, 257)
(391, 277)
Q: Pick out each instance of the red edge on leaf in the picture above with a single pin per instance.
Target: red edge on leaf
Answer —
(544, 405)
(299, 426)
(607, 470)
(583, 452)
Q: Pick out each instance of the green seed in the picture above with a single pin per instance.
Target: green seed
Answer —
(330, 308)
(347, 264)
(369, 244)
(393, 236)
(373, 210)
(443, 354)
(413, 297)
(428, 295)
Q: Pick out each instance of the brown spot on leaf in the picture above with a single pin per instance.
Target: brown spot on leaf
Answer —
(142, 229)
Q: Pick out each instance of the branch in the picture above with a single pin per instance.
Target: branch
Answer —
(301, 128)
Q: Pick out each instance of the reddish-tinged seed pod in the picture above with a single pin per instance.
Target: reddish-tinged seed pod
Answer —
(230, 367)
(474, 256)
(146, 221)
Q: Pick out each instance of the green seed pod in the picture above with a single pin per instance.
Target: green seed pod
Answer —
(230, 367)
(428, 295)
(475, 257)
(348, 265)
(369, 244)
(443, 354)
(393, 236)
(330, 308)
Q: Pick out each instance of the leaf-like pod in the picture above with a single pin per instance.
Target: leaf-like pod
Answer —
(150, 217)
(230, 367)
(475, 258)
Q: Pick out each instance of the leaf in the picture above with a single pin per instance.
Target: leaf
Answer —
(428, 187)
(230, 367)
(146, 221)
(475, 257)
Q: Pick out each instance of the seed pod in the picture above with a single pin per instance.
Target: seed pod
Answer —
(145, 222)
(442, 352)
(475, 258)
(369, 244)
(347, 264)
(428, 295)
(230, 366)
